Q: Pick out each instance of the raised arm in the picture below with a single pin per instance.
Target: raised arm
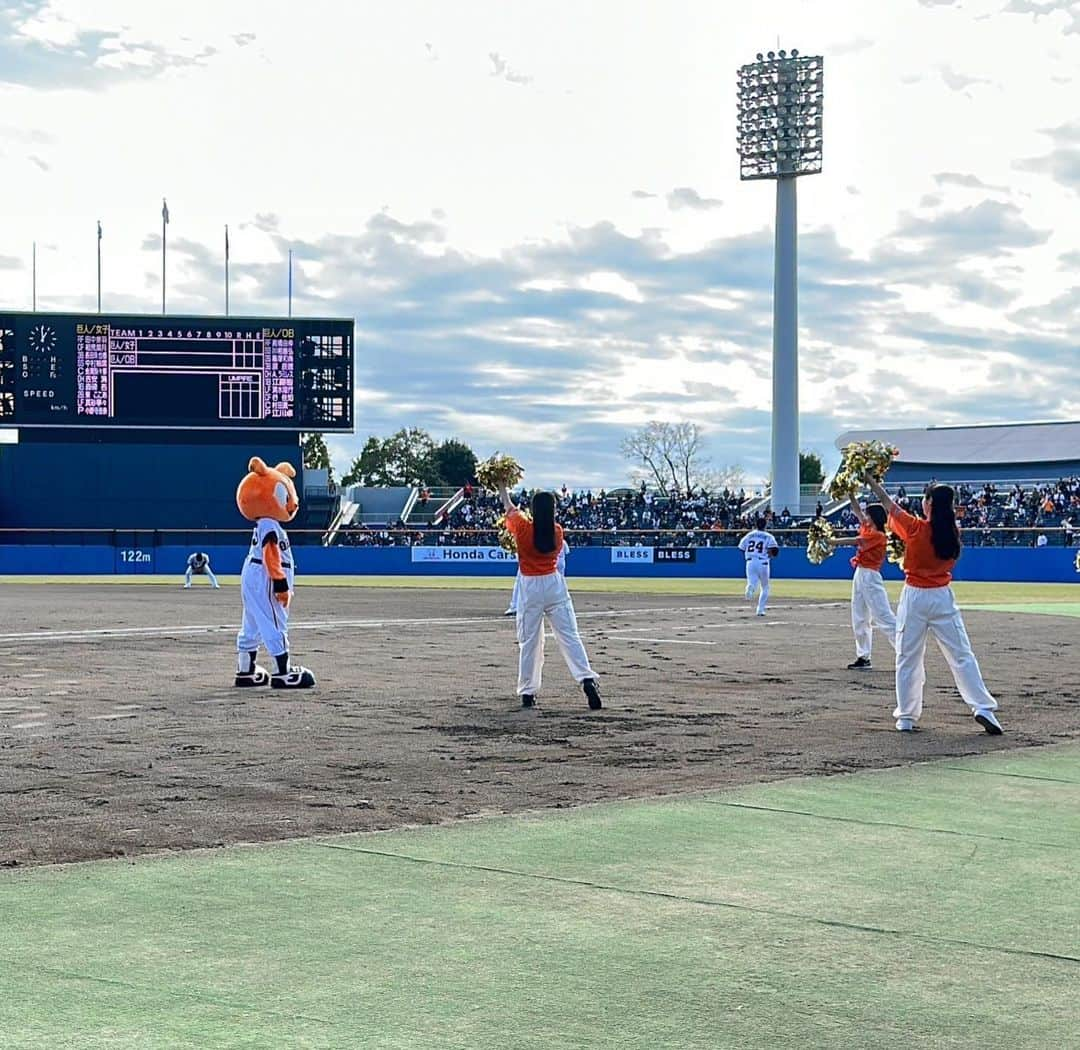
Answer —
(507, 502)
(857, 510)
(890, 505)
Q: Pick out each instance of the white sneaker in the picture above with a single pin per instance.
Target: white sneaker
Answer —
(905, 725)
(187, 586)
(987, 720)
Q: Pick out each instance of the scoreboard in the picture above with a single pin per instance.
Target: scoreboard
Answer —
(175, 372)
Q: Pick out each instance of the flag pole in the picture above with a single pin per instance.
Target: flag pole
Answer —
(164, 223)
(33, 284)
(226, 269)
(99, 266)
(290, 282)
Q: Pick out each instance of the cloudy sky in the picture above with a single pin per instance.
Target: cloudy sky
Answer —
(533, 210)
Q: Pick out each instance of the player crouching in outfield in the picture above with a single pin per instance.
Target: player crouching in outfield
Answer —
(927, 606)
(758, 546)
(267, 497)
(543, 593)
(870, 606)
(198, 564)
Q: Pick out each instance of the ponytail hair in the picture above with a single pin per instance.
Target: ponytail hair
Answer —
(944, 535)
(876, 513)
(543, 515)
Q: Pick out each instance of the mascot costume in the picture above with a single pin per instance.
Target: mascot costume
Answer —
(267, 496)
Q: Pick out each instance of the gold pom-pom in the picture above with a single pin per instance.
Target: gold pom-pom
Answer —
(895, 550)
(861, 458)
(506, 537)
(817, 545)
(499, 471)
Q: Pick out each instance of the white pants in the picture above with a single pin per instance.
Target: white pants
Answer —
(933, 610)
(870, 608)
(515, 594)
(757, 579)
(540, 596)
(265, 618)
(206, 571)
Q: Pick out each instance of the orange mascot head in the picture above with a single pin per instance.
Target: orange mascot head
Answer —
(268, 492)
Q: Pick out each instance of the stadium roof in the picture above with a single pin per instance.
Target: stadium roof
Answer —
(983, 444)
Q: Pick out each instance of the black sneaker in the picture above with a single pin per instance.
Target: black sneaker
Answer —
(528, 700)
(861, 664)
(592, 691)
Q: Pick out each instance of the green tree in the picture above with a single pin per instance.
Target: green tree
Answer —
(452, 463)
(364, 466)
(811, 471)
(317, 455)
(404, 458)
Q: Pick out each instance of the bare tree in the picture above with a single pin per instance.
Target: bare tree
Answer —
(673, 455)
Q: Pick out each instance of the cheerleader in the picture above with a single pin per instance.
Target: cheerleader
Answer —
(927, 606)
(543, 593)
(869, 601)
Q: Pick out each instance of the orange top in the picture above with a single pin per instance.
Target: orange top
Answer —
(870, 554)
(530, 561)
(922, 566)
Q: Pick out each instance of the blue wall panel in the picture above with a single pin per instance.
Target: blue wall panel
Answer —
(1020, 564)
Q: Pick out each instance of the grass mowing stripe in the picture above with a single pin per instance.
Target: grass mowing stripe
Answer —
(892, 824)
(707, 902)
(1019, 776)
(115, 982)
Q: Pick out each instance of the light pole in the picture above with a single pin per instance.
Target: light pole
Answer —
(780, 137)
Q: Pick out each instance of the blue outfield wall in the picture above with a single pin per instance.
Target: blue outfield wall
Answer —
(1019, 564)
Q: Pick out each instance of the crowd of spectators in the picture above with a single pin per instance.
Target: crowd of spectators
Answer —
(1013, 515)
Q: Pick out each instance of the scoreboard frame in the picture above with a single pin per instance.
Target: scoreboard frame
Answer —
(126, 371)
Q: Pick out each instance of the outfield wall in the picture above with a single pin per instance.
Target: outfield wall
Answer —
(1019, 564)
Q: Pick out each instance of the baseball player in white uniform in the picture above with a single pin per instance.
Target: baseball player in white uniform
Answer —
(198, 564)
(758, 547)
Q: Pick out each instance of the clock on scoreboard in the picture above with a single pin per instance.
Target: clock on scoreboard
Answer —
(173, 372)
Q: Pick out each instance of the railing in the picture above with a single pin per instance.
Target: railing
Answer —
(196, 539)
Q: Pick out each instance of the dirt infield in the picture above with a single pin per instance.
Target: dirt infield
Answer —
(121, 733)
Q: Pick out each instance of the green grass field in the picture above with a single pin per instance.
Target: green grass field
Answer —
(823, 590)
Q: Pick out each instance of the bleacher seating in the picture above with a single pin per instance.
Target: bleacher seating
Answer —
(1002, 514)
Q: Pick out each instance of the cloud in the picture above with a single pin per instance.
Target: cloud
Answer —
(984, 229)
(687, 197)
(1062, 163)
(9, 262)
(502, 69)
(41, 48)
(952, 178)
(43, 165)
(851, 47)
(643, 195)
(544, 343)
(959, 81)
(1040, 8)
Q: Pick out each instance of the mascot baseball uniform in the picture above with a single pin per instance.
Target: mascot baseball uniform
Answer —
(267, 496)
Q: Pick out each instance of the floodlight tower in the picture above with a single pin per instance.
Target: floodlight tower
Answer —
(780, 106)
